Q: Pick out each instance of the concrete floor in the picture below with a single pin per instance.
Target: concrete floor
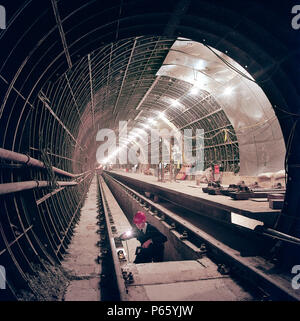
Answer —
(80, 261)
(183, 281)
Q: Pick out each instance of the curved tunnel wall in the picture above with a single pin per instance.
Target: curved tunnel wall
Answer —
(253, 121)
(35, 53)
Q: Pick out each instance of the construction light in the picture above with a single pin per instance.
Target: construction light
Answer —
(161, 114)
(175, 103)
(194, 90)
(228, 91)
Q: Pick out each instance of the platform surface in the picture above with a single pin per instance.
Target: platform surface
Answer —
(251, 208)
(183, 281)
(154, 282)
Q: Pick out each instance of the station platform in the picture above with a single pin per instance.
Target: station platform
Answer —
(190, 196)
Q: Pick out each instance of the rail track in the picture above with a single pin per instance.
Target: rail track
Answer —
(238, 253)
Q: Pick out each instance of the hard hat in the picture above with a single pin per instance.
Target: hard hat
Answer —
(139, 217)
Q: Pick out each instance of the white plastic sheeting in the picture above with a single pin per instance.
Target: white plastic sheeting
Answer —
(260, 139)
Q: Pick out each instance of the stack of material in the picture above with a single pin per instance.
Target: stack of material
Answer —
(184, 171)
(276, 201)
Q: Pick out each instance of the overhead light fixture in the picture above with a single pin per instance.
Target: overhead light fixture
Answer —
(175, 103)
(228, 91)
(161, 114)
(200, 65)
(152, 121)
(194, 90)
(140, 130)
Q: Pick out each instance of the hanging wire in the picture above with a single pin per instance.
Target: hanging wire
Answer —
(230, 65)
(286, 112)
(245, 76)
(286, 159)
(288, 149)
(48, 166)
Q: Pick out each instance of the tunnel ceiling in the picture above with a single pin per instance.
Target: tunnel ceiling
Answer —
(122, 81)
(79, 66)
(67, 67)
(236, 100)
(137, 78)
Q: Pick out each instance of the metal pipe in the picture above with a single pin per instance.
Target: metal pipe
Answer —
(91, 89)
(45, 197)
(61, 32)
(125, 75)
(283, 236)
(45, 101)
(22, 186)
(25, 159)
(148, 92)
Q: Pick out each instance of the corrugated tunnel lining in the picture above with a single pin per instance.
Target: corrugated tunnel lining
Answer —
(120, 86)
(126, 83)
(37, 52)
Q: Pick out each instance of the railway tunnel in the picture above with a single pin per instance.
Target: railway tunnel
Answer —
(75, 74)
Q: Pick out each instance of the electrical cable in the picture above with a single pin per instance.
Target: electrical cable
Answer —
(287, 155)
(230, 65)
(288, 149)
(286, 112)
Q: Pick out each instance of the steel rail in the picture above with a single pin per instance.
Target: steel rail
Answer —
(215, 248)
(118, 273)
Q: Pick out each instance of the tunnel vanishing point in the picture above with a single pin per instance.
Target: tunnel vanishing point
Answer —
(71, 68)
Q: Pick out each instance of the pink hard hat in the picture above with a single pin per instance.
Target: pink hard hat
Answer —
(139, 217)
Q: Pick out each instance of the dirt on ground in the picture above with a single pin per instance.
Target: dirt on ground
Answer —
(47, 284)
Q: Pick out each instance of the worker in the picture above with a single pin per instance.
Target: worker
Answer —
(152, 241)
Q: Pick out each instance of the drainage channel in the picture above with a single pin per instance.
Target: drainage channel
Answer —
(191, 239)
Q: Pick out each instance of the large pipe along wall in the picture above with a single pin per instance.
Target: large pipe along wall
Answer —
(35, 230)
